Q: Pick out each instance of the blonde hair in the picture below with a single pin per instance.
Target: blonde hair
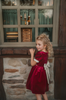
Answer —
(46, 41)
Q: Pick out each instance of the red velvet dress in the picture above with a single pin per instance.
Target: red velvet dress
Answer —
(37, 80)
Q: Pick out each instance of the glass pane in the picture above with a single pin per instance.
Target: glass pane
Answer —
(45, 16)
(27, 16)
(27, 2)
(9, 16)
(10, 35)
(28, 34)
(45, 2)
(47, 31)
(9, 2)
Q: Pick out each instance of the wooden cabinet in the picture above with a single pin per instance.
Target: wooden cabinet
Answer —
(26, 35)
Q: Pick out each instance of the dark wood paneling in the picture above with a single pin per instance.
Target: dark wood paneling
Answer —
(60, 73)
(62, 24)
(20, 51)
(0, 51)
(7, 51)
(60, 56)
(1, 66)
(15, 50)
(60, 78)
(2, 92)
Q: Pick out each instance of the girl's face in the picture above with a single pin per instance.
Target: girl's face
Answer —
(39, 45)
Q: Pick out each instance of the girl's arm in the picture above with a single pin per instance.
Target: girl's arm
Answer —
(32, 60)
(32, 57)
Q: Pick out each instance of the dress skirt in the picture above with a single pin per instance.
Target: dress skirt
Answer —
(37, 79)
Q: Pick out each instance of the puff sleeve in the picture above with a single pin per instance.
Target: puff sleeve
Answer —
(38, 57)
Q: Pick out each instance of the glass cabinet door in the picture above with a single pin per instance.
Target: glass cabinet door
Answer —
(45, 2)
(10, 34)
(45, 16)
(35, 16)
(9, 16)
(28, 35)
(27, 2)
(48, 31)
(27, 16)
(9, 2)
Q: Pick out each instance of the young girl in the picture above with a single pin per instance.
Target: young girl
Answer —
(37, 80)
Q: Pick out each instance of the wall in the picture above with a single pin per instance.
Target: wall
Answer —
(16, 71)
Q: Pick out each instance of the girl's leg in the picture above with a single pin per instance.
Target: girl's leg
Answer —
(38, 96)
(45, 96)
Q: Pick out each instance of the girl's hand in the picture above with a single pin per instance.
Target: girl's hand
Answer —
(32, 51)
